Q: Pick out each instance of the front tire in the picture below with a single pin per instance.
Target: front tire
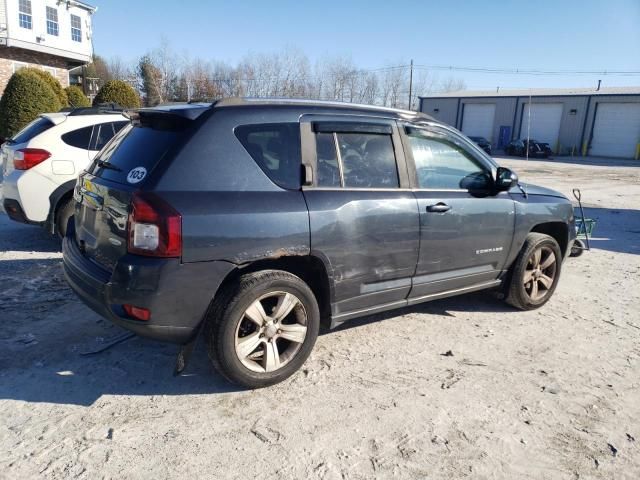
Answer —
(535, 273)
(262, 328)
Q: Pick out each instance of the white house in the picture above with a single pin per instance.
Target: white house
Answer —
(54, 35)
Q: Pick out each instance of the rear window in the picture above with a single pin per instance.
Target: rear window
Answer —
(275, 147)
(136, 147)
(35, 128)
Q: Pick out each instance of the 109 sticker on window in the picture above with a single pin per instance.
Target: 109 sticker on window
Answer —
(136, 175)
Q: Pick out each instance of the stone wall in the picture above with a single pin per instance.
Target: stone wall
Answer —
(11, 55)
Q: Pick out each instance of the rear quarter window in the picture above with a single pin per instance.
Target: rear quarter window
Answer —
(79, 138)
(38, 126)
(275, 147)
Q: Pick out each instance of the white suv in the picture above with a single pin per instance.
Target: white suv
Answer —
(41, 163)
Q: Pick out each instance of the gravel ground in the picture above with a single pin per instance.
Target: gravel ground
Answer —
(552, 393)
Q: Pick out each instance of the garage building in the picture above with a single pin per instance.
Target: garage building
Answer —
(604, 122)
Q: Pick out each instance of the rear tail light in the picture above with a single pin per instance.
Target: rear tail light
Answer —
(26, 158)
(155, 228)
(138, 313)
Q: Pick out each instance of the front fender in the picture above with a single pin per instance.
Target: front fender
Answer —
(538, 210)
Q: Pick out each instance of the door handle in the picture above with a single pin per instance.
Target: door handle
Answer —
(438, 208)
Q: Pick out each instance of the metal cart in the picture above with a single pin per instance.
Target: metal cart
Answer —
(584, 229)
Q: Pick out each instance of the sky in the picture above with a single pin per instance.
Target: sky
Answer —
(560, 35)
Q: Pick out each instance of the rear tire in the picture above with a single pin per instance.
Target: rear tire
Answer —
(262, 328)
(63, 214)
(535, 273)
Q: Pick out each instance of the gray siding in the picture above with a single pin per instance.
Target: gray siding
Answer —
(451, 111)
(446, 109)
(503, 115)
(576, 130)
(570, 135)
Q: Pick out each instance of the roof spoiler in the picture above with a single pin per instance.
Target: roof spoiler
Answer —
(95, 110)
(187, 111)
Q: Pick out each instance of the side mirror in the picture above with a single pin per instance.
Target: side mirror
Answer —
(505, 179)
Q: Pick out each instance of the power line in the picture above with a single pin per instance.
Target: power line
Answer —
(513, 71)
(523, 71)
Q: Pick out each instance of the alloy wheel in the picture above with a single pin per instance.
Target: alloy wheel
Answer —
(271, 332)
(540, 274)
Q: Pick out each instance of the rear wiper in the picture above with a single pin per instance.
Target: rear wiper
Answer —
(103, 164)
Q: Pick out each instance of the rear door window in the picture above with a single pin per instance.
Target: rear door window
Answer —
(275, 147)
(356, 160)
(329, 174)
(80, 138)
(35, 128)
(368, 160)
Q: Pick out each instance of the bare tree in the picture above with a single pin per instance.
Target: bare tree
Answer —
(165, 76)
(451, 84)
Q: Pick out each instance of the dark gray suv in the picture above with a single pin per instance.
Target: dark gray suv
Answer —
(256, 221)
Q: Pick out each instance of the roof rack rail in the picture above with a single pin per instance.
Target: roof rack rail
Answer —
(95, 110)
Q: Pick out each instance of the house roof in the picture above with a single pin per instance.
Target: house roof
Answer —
(84, 5)
(538, 92)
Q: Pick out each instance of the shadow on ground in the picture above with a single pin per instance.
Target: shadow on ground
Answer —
(43, 362)
(616, 230)
(137, 367)
(18, 237)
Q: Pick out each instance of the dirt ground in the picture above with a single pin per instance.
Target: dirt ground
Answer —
(547, 394)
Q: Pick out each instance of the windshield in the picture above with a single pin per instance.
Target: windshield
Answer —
(35, 128)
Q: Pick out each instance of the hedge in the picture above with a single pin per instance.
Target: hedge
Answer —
(53, 83)
(26, 96)
(117, 91)
(76, 97)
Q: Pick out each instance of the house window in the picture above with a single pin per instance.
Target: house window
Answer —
(52, 21)
(18, 65)
(76, 28)
(24, 13)
(51, 70)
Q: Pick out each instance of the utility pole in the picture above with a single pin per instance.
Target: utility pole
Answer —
(410, 82)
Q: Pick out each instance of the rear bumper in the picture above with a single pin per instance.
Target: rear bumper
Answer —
(31, 190)
(178, 295)
(16, 213)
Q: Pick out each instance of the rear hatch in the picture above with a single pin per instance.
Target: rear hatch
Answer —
(125, 165)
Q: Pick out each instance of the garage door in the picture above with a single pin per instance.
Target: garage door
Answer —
(616, 131)
(477, 120)
(544, 122)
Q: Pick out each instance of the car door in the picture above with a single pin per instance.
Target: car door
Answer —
(363, 216)
(466, 228)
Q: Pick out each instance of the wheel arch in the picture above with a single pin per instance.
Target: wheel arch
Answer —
(56, 199)
(311, 269)
(559, 231)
